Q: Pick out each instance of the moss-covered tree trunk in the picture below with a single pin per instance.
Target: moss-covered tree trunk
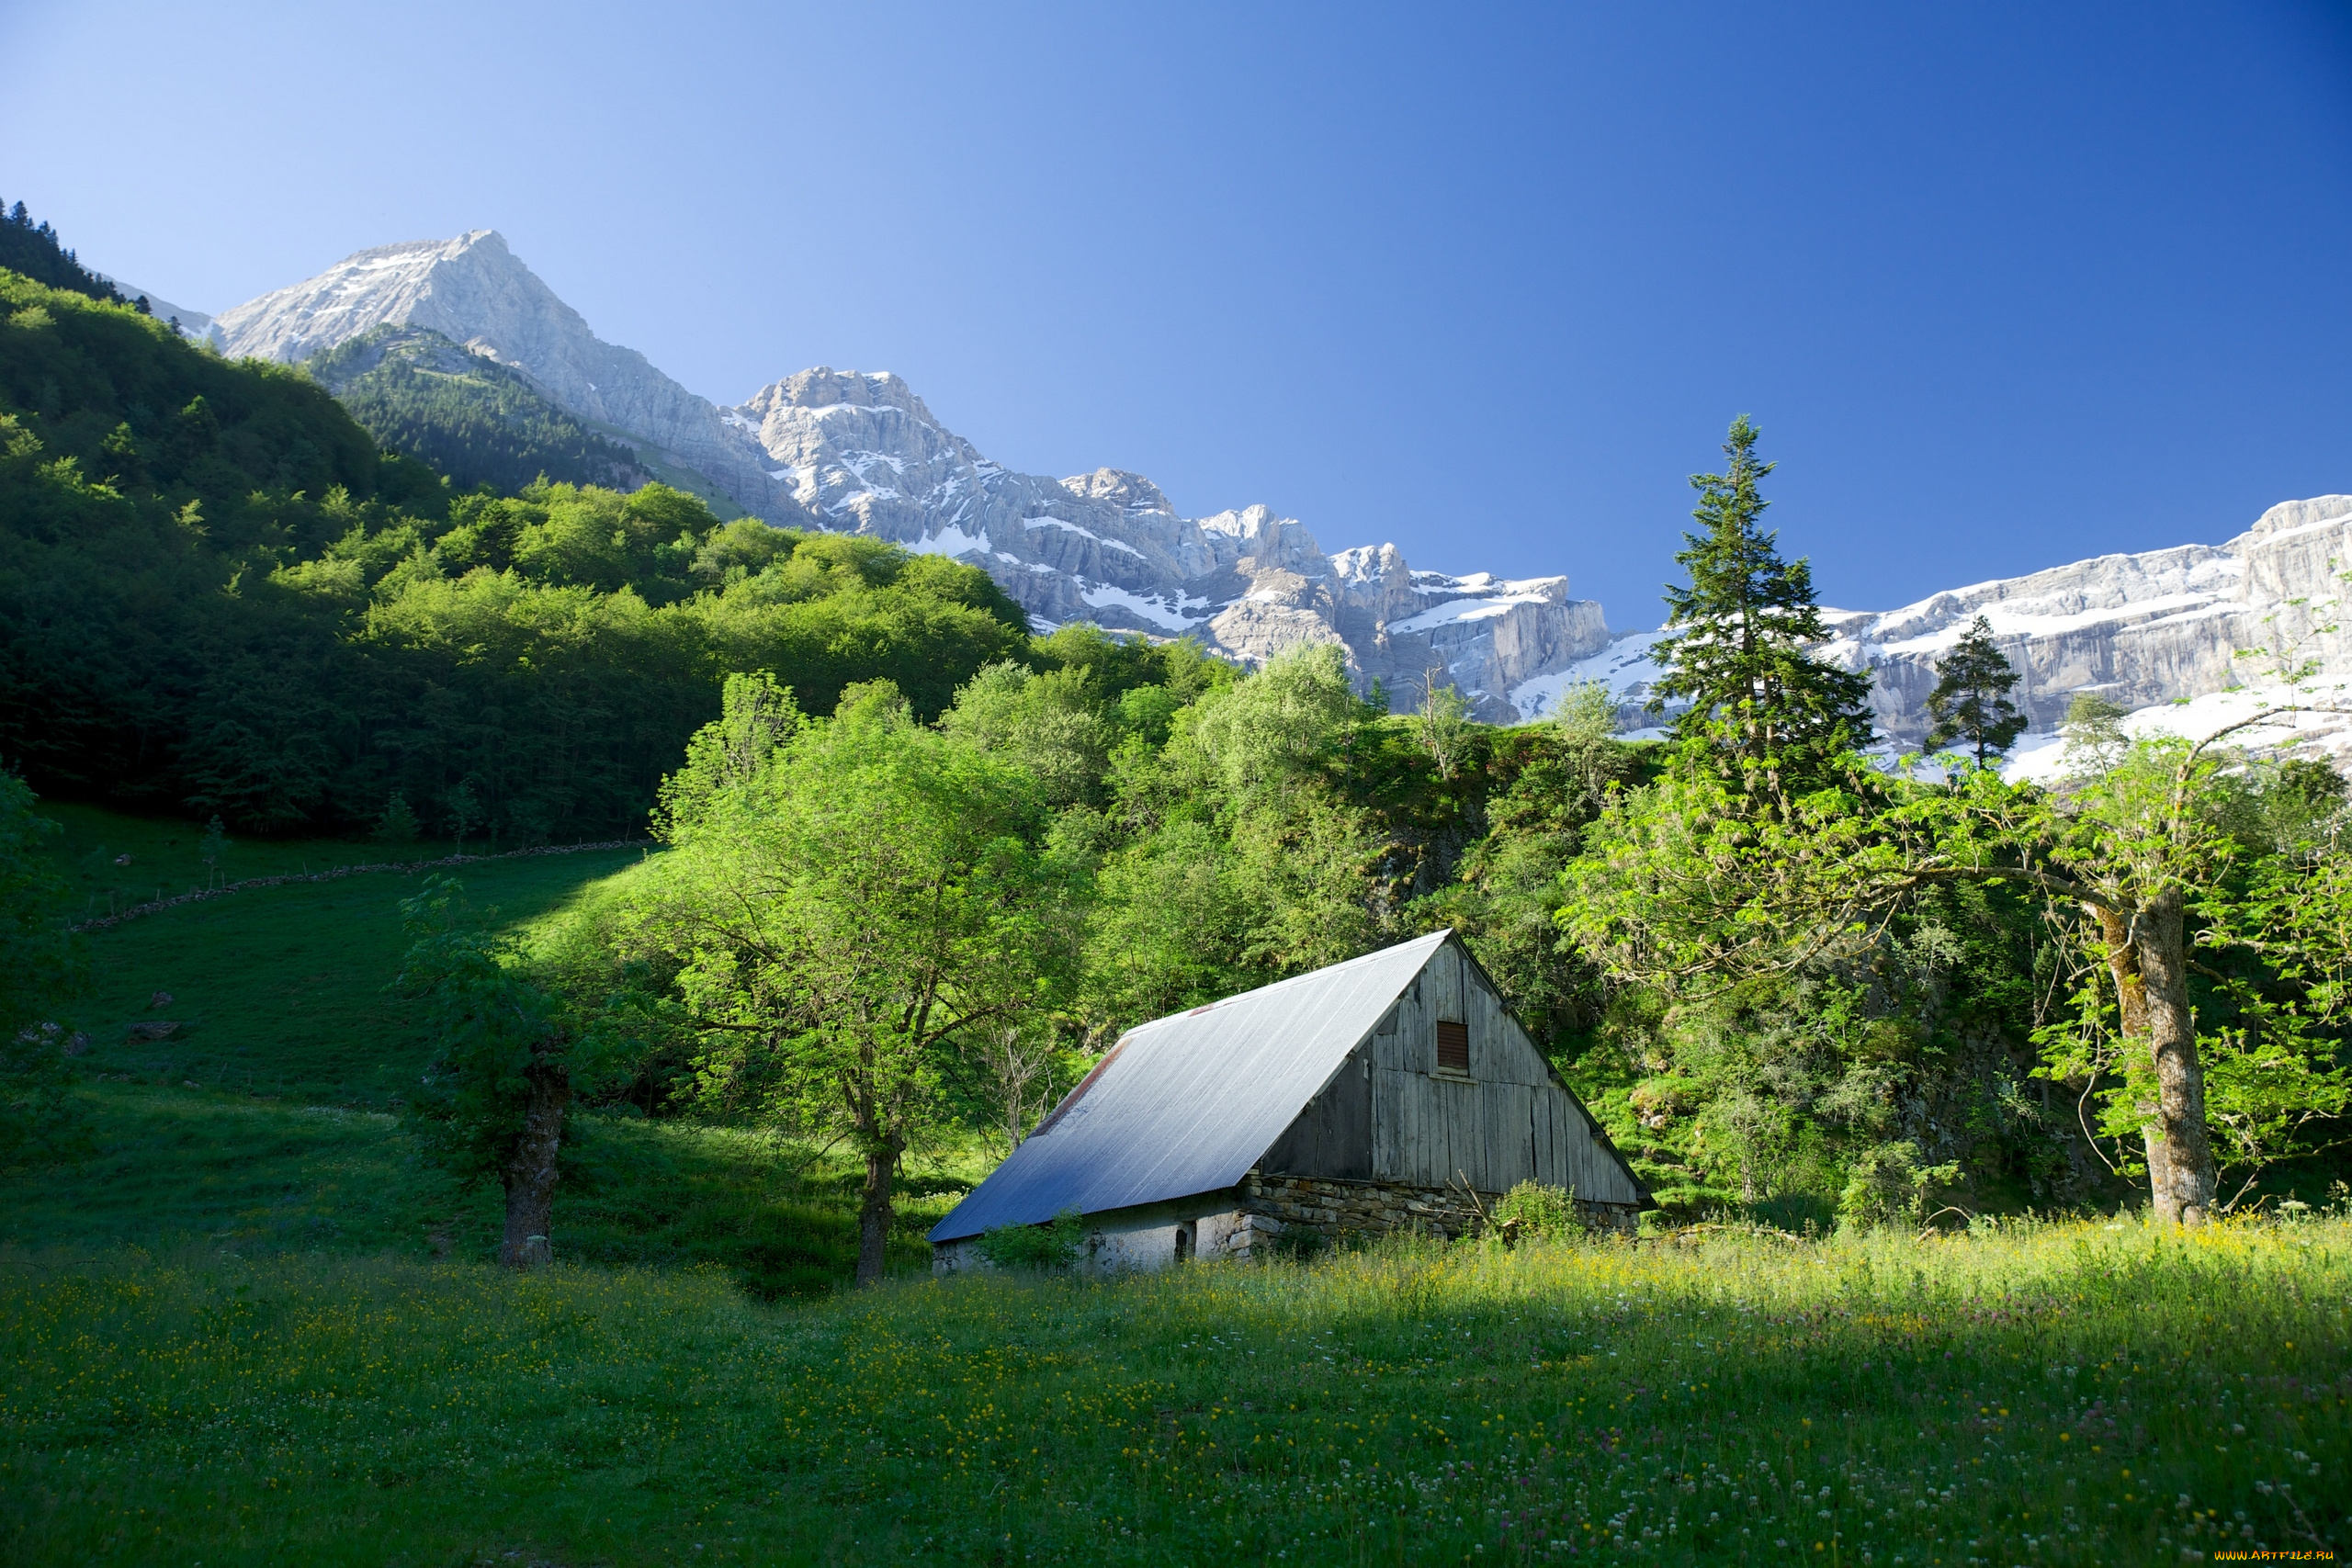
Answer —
(530, 1172)
(2132, 997)
(2148, 954)
(2183, 1188)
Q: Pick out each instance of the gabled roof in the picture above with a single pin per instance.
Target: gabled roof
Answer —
(1190, 1103)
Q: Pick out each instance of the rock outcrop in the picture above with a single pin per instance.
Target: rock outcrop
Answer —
(862, 452)
(2141, 630)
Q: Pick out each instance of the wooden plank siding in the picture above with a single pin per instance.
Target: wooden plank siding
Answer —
(1511, 1121)
(1390, 1115)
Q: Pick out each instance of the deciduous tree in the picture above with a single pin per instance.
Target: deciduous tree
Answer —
(844, 900)
(1694, 879)
(512, 1054)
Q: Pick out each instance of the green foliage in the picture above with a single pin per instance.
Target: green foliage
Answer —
(496, 1029)
(845, 903)
(1587, 712)
(1741, 629)
(217, 595)
(1971, 702)
(36, 251)
(1888, 1183)
(1818, 914)
(1443, 728)
(1532, 1212)
(398, 824)
(41, 1122)
(1238, 852)
(464, 415)
(2096, 742)
(1051, 1246)
(36, 960)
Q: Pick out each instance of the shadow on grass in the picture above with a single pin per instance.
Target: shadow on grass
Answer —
(176, 1165)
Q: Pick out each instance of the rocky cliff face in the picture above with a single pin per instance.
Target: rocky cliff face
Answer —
(2145, 631)
(861, 453)
(2141, 630)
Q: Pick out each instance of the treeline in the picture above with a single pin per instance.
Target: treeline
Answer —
(471, 420)
(35, 251)
(217, 596)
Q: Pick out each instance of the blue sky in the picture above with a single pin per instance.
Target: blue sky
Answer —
(2004, 286)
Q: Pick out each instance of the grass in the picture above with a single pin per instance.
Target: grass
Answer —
(175, 1167)
(261, 1124)
(277, 990)
(2055, 1393)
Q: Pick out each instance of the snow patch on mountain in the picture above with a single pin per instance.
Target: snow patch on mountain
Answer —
(2186, 639)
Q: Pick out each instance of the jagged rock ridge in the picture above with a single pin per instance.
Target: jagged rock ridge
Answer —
(861, 452)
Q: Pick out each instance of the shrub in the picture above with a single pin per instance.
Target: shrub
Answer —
(1888, 1183)
(1532, 1212)
(1051, 1246)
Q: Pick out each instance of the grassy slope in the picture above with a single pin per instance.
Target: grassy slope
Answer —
(2064, 1394)
(260, 1125)
(278, 990)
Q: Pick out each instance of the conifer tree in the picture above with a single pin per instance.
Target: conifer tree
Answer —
(1971, 702)
(1743, 625)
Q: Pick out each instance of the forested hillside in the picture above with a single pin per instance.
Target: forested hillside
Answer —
(216, 596)
(472, 420)
(35, 251)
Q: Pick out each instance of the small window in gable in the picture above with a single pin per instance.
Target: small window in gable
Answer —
(1453, 1047)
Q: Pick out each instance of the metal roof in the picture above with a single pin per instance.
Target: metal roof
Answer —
(1190, 1103)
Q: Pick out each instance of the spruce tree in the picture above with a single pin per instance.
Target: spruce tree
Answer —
(1971, 701)
(1743, 625)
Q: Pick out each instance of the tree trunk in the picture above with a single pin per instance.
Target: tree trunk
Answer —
(530, 1172)
(2183, 1188)
(2132, 995)
(874, 1212)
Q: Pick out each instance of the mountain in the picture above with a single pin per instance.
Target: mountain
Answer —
(860, 452)
(471, 418)
(2161, 632)
(191, 323)
(473, 291)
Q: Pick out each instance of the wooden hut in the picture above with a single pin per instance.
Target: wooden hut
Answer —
(1393, 1090)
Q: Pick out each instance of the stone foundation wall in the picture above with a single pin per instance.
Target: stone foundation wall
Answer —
(1270, 1205)
(1253, 1219)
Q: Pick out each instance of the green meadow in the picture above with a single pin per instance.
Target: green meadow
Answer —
(253, 1327)
(2049, 1394)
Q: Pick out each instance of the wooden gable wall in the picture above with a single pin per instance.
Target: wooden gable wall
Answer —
(1389, 1115)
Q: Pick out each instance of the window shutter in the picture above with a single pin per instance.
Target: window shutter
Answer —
(1452, 1046)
